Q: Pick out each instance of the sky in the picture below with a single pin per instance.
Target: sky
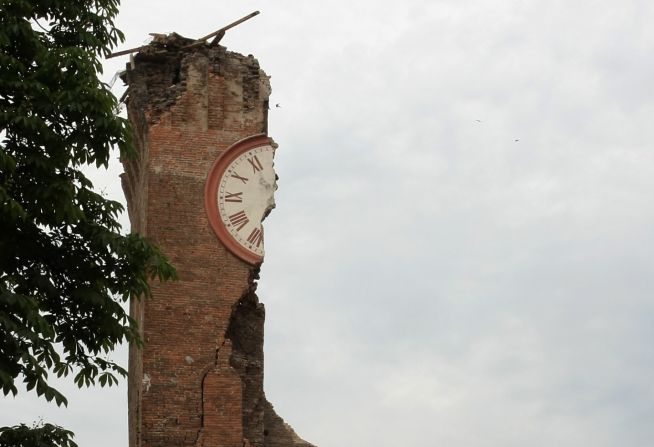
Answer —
(461, 252)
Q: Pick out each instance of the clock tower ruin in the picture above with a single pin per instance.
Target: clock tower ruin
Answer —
(198, 378)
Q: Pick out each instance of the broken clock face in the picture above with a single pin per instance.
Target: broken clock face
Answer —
(239, 194)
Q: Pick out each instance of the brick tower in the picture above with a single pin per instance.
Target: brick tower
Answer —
(198, 379)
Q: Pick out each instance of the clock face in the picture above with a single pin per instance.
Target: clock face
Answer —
(240, 194)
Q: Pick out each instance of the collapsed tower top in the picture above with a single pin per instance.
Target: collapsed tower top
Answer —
(183, 43)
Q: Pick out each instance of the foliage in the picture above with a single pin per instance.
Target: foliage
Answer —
(45, 435)
(64, 266)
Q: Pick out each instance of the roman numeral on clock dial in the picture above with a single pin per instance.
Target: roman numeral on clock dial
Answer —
(233, 197)
(256, 237)
(236, 176)
(255, 163)
(239, 220)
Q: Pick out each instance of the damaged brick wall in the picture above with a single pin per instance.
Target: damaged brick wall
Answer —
(198, 380)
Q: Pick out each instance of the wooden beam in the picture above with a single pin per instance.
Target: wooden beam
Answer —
(124, 52)
(231, 25)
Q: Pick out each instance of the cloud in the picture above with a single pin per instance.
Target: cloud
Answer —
(428, 279)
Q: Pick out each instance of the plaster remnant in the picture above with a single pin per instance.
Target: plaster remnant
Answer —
(146, 382)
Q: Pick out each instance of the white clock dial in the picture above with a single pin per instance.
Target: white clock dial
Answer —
(246, 195)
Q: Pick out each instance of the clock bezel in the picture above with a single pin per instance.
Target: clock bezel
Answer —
(211, 195)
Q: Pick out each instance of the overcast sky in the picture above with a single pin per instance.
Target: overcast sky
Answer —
(461, 253)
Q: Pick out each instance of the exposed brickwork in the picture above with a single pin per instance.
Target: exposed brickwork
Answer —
(198, 380)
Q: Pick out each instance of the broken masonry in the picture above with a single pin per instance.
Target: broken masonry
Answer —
(198, 379)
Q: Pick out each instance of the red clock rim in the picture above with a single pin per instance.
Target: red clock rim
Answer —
(211, 195)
